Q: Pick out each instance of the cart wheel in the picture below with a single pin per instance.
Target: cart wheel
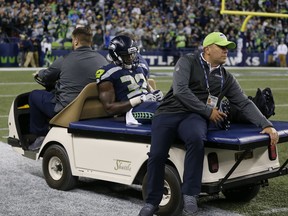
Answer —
(242, 194)
(56, 169)
(171, 203)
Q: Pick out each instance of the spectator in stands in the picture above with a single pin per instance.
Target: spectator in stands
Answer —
(282, 53)
(68, 75)
(136, 11)
(46, 51)
(270, 54)
(107, 39)
(3, 36)
(29, 59)
(62, 29)
(52, 26)
(168, 43)
(147, 38)
(98, 39)
(73, 16)
(20, 17)
(36, 50)
(180, 40)
(22, 50)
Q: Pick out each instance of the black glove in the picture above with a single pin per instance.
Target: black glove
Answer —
(225, 108)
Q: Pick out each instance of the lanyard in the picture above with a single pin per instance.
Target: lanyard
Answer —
(206, 77)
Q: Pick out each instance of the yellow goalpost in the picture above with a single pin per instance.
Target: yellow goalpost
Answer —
(241, 50)
(249, 14)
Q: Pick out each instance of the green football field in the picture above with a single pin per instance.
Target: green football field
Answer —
(271, 200)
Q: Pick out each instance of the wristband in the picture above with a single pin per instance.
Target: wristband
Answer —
(135, 101)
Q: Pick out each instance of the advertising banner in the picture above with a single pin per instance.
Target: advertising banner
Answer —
(9, 53)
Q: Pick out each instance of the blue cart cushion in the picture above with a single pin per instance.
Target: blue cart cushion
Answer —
(237, 134)
(111, 125)
(246, 134)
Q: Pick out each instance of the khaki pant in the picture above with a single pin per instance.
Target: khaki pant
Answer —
(270, 59)
(36, 58)
(282, 59)
(30, 60)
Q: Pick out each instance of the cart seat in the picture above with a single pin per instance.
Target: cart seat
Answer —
(238, 137)
(85, 106)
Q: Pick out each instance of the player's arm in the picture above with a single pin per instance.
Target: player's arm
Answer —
(158, 93)
(107, 97)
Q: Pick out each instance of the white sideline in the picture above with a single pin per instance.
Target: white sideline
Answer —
(279, 210)
(152, 68)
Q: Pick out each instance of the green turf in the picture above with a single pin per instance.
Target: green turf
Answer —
(272, 197)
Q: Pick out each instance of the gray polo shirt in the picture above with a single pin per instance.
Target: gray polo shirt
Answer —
(72, 73)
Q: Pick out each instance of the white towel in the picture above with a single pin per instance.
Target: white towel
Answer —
(130, 120)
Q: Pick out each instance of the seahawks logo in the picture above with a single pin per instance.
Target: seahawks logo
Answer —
(143, 115)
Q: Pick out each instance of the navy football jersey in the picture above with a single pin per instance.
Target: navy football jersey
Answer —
(127, 83)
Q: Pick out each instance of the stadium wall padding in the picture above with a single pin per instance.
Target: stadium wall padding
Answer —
(9, 57)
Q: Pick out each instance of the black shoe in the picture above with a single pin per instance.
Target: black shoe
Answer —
(148, 210)
(186, 213)
(27, 140)
(36, 144)
(190, 205)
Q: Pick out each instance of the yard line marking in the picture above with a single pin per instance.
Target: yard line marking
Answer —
(274, 211)
(17, 69)
(273, 89)
(3, 116)
(164, 80)
(263, 79)
(206, 210)
(278, 69)
(258, 74)
(236, 74)
(18, 83)
(242, 79)
(7, 96)
(4, 129)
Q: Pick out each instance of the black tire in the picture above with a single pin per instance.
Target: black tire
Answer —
(171, 203)
(242, 194)
(56, 169)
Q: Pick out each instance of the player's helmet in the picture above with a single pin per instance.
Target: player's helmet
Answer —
(123, 51)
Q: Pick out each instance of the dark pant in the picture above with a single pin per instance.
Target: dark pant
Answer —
(192, 130)
(41, 111)
(144, 112)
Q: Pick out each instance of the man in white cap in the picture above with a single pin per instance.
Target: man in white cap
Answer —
(282, 52)
(199, 83)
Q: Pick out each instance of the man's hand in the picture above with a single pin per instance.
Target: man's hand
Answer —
(142, 98)
(148, 97)
(217, 116)
(159, 95)
(274, 137)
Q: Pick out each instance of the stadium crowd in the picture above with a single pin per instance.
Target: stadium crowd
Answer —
(156, 24)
